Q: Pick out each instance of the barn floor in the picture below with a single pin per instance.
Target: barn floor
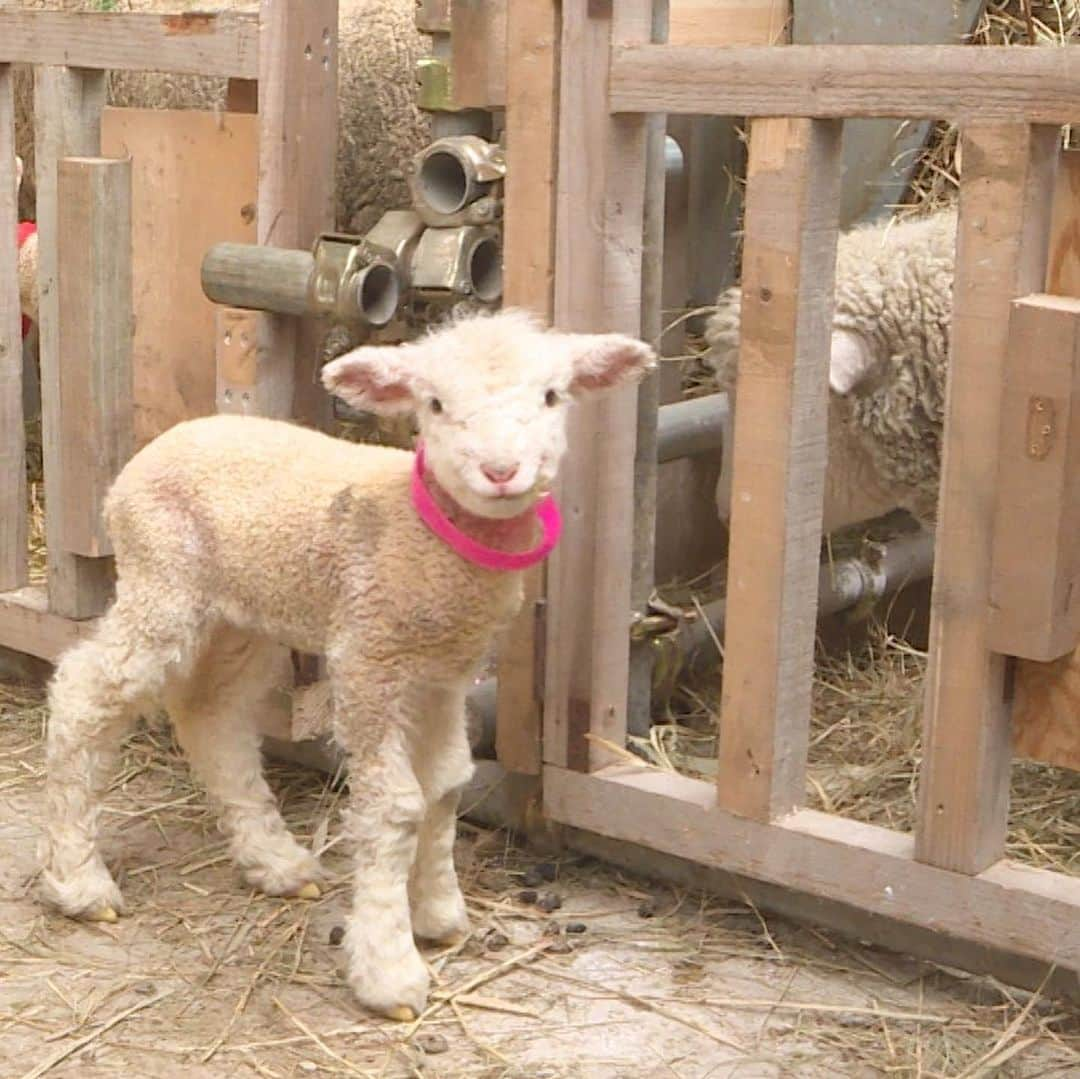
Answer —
(206, 979)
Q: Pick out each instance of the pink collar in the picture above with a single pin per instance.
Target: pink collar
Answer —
(547, 513)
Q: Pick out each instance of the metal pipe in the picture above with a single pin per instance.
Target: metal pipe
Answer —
(689, 428)
(259, 278)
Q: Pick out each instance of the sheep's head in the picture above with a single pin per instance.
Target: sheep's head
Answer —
(491, 395)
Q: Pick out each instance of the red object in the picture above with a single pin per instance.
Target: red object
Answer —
(25, 230)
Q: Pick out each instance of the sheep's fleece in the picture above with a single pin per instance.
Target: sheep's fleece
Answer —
(237, 538)
(889, 349)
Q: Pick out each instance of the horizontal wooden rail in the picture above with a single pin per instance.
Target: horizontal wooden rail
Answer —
(190, 43)
(956, 82)
(28, 626)
(1030, 912)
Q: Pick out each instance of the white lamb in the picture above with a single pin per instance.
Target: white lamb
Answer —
(236, 538)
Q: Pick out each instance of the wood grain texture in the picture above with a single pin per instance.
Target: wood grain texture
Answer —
(1034, 604)
(528, 275)
(1002, 242)
(482, 56)
(958, 82)
(600, 205)
(297, 152)
(13, 512)
(28, 626)
(1031, 912)
(778, 477)
(94, 287)
(196, 43)
(68, 103)
(729, 22)
(194, 185)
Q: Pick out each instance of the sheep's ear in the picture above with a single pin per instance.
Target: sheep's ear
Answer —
(374, 379)
(18, 173)
(850, 362)
(606, 359)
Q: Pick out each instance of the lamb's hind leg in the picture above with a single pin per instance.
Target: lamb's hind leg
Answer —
(95, 696)
(214, 713)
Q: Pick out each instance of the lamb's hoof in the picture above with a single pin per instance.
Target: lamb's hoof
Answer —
(309, 891)
(101, 914)
(401, 1013)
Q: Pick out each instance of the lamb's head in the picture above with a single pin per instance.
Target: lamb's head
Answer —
(491, 395)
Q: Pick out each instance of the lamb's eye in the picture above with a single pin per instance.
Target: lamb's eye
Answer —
(436, 405)
(551, 398)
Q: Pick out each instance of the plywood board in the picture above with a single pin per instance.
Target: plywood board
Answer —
(194, 183)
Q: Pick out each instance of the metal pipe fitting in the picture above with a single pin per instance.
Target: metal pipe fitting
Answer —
(452, 181)
(465, 261)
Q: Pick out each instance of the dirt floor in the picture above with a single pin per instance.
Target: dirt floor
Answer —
(624, 979)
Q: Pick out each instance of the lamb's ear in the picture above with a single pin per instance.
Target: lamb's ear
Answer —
(850, 362)
(606, 359)
(374, 379)
(18, 173)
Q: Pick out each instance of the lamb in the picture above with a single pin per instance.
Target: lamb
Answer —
(237, 538)
(888, 358)
(27, 264)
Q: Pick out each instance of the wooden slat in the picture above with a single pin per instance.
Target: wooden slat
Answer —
(28, 626)
(600, 204)
(481, 62)
(793, 187)
(194, 184)
(528, 281)
(191, 43)
(1034, 604)
(94, 286)
(297, 154)
(1005, 203)
(730, 22)
(958, 82)
(68, 104)
(1028, 911)
(13, 510)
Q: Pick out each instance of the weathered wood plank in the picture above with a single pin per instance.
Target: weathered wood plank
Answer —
(958, 82)
(189, 43)
(597, 286)
(68, 103)
(481, 61)
(27, 625)
(1034, 605)
(297, 153)
(13, 511)
(1002, 241)
(94, 285)
(194, 181)
(1028, 911)
(729, 22)
(528, 275)
(778, 477)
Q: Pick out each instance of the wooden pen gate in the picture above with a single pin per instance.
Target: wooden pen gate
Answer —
(951, 875)
(281, 62)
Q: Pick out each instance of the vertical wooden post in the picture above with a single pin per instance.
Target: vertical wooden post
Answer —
(600, 206)
(532, 86)
(297, 99)
(67, 106)
(789, 260)
(1005, 204)
(13, 515)
(95, 338)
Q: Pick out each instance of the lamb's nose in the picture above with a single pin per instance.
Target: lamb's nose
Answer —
(499, 474)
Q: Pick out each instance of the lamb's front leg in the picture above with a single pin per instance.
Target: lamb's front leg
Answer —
(385, 970)
(443, 764)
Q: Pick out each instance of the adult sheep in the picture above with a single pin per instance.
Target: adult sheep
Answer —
(380, 126)
(887, 373)
(399, 568)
